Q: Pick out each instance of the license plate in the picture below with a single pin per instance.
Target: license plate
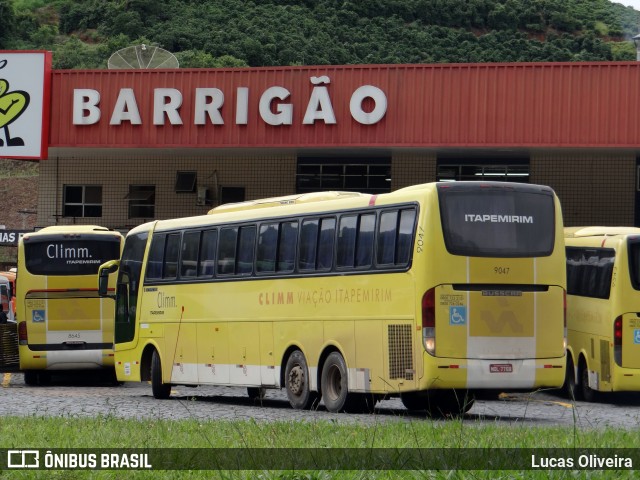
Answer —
(501, 368)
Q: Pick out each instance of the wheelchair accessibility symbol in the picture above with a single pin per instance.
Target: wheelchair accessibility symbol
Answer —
(636, 336)
(457, 315)
(37, 316)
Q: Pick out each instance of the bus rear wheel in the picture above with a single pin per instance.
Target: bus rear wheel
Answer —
(335, 388)
(160, 390)
(296, 379)
(588, 394)
(439, 403)
(569, 386)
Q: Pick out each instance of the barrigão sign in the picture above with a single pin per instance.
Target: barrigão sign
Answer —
(274, 106)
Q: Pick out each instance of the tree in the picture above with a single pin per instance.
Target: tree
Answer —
(7, 22)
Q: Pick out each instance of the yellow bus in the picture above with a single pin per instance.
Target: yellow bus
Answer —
(6, 297)
(63, 324)
(603, 310)
(425, 293)
(10, 306)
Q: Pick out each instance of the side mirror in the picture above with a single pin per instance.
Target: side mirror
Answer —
(103, 277)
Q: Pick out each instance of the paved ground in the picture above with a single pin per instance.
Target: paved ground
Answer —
(88, 397)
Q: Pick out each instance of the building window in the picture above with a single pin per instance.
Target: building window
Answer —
(185, 182)
(452, 170)
(366, 175)
(142, 201)
(231, 195)
(82, 201)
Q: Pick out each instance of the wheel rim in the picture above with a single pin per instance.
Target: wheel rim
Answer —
(334, 382)
(296, 380)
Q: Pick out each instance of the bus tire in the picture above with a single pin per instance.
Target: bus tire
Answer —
(335, 385)
(296, 381)
(160, 390)
(569, 386)
(414, 401)
(31, 378)
(452, 403)
(587, 393)
(439, 403)
(256, 393)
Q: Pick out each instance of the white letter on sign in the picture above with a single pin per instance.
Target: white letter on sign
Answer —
(378, 97)
(126, 109)
(285, 111)
(166, 101)
(86, 100)
(212, 108)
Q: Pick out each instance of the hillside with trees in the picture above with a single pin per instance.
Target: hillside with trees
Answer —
(217, 33)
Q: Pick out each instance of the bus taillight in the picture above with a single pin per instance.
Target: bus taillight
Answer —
(429, 321)
(617, 340)
(22, 333)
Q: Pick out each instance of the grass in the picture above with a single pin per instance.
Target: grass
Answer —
(18, 168)
(107, 432)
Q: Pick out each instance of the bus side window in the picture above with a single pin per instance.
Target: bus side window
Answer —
(227, 251)
(267, 248)
(308, 244)
(189, 256)
(387, 238)
(606, 274)
(246, 248)
(326, 243)
(405, 236)
(346, 241)
(207, 258)
(589, 272)
(287, 246)
(156, 252)
(364, 242)
(171, 254)
(574, 269)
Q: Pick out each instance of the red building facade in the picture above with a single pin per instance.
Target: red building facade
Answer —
(126, 146)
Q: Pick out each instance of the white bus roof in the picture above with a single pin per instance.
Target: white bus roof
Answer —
(599, 231)
(285, 200)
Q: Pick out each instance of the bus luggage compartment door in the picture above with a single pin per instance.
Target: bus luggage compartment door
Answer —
(499, 321)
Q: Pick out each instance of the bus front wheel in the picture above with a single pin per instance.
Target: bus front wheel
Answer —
(296, 378)
(256, 394)
(160, 390)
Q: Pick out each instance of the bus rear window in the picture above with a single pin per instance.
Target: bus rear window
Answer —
(498, 221)
(634, 261)
(60, 256)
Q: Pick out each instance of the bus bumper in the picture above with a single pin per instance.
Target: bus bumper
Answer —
(65, 359)
(494, 374)
(127, 368)
(626, 380)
